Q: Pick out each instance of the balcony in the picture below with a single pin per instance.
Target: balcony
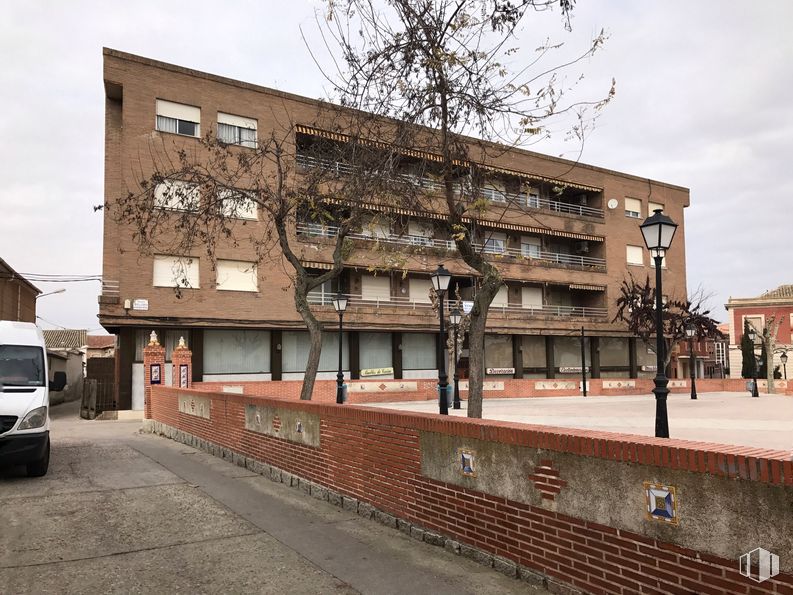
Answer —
(531, 257)
(522, 200)
(403, 304)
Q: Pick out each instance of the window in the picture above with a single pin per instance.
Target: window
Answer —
(635, 255)
(375, 350)
(420, 290)
(498, 351)
(236, 130)
(237, 275)
(533, 197)
(21, 365)
(633, 208)
(376, 288)
(176, 195)
(237, 204)
(531, 297)
(236, 351)
(420, 233)
(530, 247)
(495, 242)
(502, 297)
(296, 345)
(178, 118)
(175, 271)
(651, 206)
(419, 351)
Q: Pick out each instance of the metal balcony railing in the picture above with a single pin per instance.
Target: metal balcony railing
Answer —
(423, 306)
(329, 231)
(499, 249)
(522, 200)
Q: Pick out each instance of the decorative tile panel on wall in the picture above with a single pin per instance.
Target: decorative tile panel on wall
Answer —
(194, 405)
(486, 385)
(295, 426)
(678, 384)
(392, 386)
(555, 385)
(619, 384)
(661, 502)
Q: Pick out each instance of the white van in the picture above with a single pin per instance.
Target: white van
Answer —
(24, 397)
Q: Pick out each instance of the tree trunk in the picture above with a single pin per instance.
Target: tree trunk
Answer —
(476, 340)
(315, 334)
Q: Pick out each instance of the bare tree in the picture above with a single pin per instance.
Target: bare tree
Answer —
(202, 199)
(449, 71)
(768, 335)
(636, 308)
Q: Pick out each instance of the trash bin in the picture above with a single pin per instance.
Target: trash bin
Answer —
(344, 393)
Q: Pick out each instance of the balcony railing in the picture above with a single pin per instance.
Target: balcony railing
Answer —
(330, 231)
(522, 200)
(424, 307)
(540, 256)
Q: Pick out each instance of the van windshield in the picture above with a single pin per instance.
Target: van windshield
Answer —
(21, 365)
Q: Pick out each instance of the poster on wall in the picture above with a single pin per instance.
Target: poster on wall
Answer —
(155, 374)
(183, 381)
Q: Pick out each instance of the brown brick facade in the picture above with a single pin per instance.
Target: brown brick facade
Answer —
(133, 84)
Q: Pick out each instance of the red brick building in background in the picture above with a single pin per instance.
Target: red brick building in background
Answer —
(17, 295)
(571, 235)
(758, 311)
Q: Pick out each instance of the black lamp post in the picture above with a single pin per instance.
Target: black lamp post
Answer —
(783, 359)
(340, 305)
(454, 318)
(658, 231)
(752, 337)
(691, 331)
(440, 282)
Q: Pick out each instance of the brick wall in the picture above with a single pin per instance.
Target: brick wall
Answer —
(562, 503)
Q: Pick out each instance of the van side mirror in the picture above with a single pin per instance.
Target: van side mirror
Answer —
(58, 382)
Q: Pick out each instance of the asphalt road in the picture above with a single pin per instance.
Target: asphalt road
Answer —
(123, 512)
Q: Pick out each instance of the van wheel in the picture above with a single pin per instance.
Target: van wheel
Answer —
(39, 468)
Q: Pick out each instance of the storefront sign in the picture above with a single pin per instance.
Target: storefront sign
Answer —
(500, 371)
(467, 307)
(571, 369)
(377, 371)
(649, 368)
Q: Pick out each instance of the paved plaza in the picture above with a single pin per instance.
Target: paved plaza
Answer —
(728, 418)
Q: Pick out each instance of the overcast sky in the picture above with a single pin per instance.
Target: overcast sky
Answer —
(704, 94)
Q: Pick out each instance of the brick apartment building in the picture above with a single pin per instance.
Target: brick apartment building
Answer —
(758, 311)
(562, 255)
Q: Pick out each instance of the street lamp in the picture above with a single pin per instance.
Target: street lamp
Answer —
(658, 231)
(783, 359)
(440, 282)
(691, 332)
(41, 295)
(752, 337)
(340, 305)
(455, 317)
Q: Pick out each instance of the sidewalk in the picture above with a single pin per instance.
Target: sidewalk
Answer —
(123, 512)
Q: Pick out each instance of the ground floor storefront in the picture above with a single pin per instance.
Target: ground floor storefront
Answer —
(254, 355)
